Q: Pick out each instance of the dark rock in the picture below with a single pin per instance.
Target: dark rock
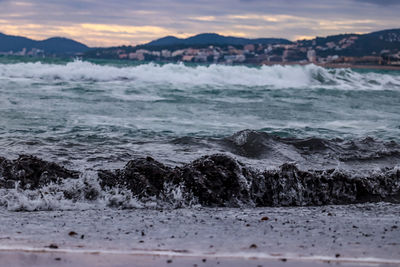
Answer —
(31, 172)
(72, 233)
(216, 180)
(143, 176)
(219, 180)
(292, 187)
(53, 246)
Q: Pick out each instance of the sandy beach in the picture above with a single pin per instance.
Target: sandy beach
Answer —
(353, 235)
(156, 258)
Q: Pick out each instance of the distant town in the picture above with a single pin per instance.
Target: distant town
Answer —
(340, 49)
(378, 48)
(255, 54)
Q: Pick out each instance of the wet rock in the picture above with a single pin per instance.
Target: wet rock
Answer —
(72, 233)
(216, 180)
(143, 176)
(220, 180)
(53, 246)
(292, 187)
(282, 187)
(31, 172)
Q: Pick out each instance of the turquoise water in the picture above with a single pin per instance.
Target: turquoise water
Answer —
(106, 112)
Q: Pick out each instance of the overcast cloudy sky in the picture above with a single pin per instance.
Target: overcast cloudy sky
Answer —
(116, 22)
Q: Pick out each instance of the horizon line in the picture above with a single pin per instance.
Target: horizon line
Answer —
(250, 38)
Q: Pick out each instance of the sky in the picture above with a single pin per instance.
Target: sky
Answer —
(130, 22)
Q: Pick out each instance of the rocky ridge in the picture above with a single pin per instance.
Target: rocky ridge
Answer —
(217, 181)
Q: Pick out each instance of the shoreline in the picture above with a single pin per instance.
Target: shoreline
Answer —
(358, 234)
(120, 257)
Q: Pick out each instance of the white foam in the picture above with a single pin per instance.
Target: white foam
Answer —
(71, 194)
(86, 193)
(274, 77)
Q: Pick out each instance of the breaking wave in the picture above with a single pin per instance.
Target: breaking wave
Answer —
(275, 77)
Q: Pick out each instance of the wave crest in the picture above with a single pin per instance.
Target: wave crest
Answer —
(309, 76)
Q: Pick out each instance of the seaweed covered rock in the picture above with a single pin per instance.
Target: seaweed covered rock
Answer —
(31, 172)
(143, 176)
(220, 180)
(289, 186)
(216, 180)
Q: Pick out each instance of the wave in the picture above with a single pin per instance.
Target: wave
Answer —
(264, 149)
(274, 77)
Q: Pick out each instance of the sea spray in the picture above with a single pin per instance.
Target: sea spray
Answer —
(181, 75)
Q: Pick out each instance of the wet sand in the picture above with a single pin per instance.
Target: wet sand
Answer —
(45, 258)
(303, 236)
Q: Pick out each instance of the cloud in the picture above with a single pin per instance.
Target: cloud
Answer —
(381, 2)
(104, 22)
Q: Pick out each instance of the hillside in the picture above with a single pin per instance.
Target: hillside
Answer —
(356, 45)
(56, 45)
(213, 39)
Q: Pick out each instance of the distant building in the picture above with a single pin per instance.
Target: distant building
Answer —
(178, 53)
(201, 57)
(275, 59)
(187, 58)
(249, 48)
(137, 56)
(166, 53)
(312, 56)
(234, 58)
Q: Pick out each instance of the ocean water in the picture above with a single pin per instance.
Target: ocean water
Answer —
(89, 116)
(237, 165)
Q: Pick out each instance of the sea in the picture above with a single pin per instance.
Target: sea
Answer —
(97, 116)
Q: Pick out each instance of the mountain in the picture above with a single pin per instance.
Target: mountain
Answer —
(355, 45)
(56, 45)
(214, 39)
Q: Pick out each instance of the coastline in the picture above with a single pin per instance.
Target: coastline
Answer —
(303, 236)
(48, 257)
